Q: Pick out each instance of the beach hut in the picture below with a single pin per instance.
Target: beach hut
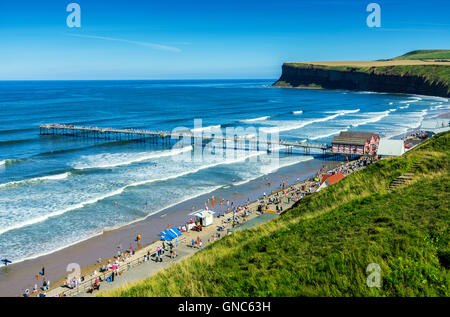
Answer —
(204, 216)
(390, 148)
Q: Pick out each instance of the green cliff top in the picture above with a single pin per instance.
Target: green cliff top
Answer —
(424, 55)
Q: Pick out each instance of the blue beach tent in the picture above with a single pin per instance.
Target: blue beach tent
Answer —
(177, 231)
(177, 234)
(170, 234)
(165, 236)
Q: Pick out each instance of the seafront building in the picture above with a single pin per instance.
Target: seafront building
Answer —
(355, 143)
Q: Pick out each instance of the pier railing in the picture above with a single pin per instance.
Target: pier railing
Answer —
(165, 137)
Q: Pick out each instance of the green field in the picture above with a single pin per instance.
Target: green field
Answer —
(322, 246)
(425, 54)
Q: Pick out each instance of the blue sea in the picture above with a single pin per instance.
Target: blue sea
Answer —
(56, 191)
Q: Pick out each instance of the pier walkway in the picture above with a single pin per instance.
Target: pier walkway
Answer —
(164, 137)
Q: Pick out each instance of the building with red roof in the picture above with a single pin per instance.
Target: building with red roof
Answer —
(330, 179)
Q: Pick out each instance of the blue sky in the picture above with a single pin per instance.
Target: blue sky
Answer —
(173, 39)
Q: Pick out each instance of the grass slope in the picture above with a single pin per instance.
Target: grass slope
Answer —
(323, 245)
(425, 54)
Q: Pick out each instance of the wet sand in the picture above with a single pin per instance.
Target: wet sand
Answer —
(15, 278)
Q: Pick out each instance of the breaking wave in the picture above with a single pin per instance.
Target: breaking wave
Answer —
(305, 123)
(115, 160)
(37, 179)
(256, 119)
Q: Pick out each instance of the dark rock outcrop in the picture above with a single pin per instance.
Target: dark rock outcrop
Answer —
(353, 79)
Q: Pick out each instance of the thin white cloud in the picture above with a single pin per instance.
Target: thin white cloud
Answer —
(146, 44)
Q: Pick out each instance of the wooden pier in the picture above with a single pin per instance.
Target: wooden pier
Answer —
(163, 137)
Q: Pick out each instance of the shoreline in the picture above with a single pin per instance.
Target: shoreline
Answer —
(87, 252)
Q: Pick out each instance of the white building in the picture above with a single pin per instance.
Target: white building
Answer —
(204, 216)
(388, 148)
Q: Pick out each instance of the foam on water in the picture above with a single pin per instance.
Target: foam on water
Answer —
(115, 160)
(377, 117)
(256, 119)
(329, 134)
(36, 179)
(294, 126)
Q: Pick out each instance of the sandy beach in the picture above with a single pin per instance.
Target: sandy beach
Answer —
(15, 278)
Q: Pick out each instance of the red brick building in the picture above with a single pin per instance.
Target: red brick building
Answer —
(355, 143)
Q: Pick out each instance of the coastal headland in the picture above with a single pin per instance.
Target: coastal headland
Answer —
(425, 72)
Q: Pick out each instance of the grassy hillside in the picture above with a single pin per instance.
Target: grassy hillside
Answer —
(425, 54)
(323, 245)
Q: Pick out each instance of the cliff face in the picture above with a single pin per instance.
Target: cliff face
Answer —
(353, 79)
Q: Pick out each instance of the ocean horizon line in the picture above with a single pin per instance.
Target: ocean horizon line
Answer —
(155, 79)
